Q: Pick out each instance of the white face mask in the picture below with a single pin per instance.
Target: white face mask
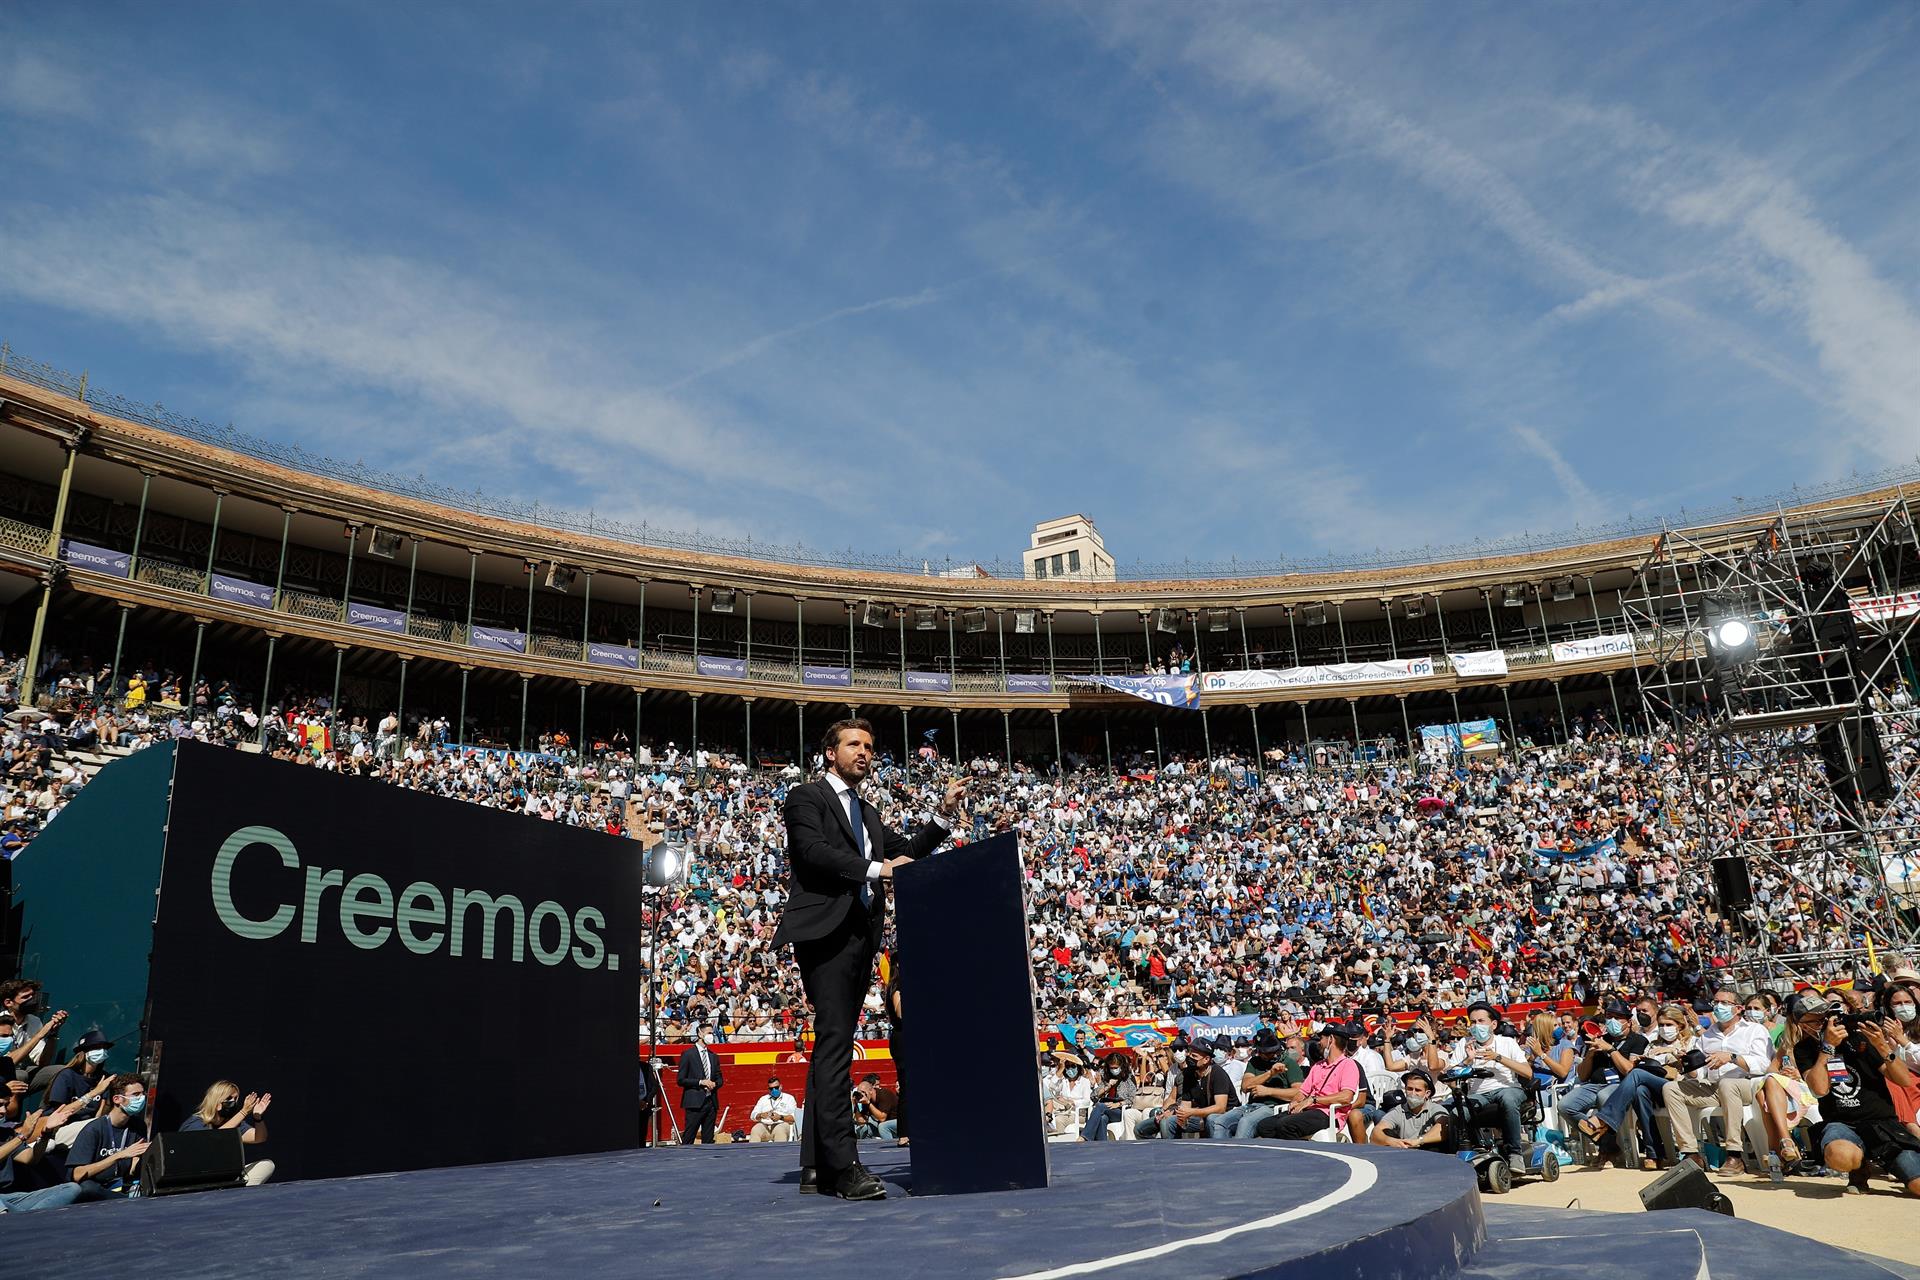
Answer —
(1668, 1034)
(1904, 1012)
(1180, 1057)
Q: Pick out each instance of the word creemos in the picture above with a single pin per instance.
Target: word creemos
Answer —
(421, 916)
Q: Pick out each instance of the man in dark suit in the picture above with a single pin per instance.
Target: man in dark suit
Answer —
(700, 1081)
(838, 855)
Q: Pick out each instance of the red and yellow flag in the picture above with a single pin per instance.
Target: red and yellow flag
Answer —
(1480, 939)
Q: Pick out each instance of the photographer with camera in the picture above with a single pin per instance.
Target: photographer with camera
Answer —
(1845, 1061)
(873, 1105)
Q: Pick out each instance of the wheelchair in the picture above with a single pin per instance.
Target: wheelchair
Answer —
(1479, 1146)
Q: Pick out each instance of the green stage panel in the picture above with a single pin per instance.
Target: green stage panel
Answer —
(88, 886)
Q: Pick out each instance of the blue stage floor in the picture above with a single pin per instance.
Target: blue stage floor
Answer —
(1196, 1209)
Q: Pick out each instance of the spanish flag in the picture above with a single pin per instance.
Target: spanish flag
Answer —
(1673, 931)
(1873, 960)
(1480, 939)
(1366, 909)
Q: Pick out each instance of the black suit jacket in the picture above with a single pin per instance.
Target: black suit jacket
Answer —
(691, 1075)
(825, 868)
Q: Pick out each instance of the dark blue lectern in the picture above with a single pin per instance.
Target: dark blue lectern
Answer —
(966, 996)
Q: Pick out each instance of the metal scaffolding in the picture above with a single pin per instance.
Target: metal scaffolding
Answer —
(1784, 679)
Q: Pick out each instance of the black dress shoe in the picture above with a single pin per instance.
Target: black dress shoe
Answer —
(856, 1183)
(809, 1181)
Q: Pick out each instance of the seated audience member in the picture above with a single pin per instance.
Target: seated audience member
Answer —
(105, 1157)
(1113, 1093)
(1204, 1091)
(222, 1108)
(1600, 1064)
(773, 1115)
(1156, 1083)
(1418, 1123)
(1900, 1021)
(1661, 1063)
(1071, 1091)
(1738, 1054)
(27, 1177)
(1320, 1100)
(1367, 1110)
(1494, 1094)
(85, 1078)
(1548, 1050)
(23, 1041)
(1848, 1068)
(1264, 1070)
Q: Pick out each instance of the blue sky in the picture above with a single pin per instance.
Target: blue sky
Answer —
(1260, 281)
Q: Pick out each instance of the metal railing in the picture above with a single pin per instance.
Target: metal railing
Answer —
(646, 534)
(22, 536)
(306, 604)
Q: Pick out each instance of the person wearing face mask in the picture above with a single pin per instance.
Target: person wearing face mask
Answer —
(1265, 1071)
(773, 1115)
(85, 1078)
(1070, 1094)
(223, 1108)
(105, 1157)
(1900, 1023)
(1738, 1056)
(1114, 1093)
(1659, 1063)
(1418, 1123)
(1495, 1097)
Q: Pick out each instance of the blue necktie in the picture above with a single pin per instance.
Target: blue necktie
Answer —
(859, 842)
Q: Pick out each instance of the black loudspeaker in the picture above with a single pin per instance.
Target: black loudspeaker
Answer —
(1685, 1186)
(1731, 884)
(197, 1160)
(1867, 768)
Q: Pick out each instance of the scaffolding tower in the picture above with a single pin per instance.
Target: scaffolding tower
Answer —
(1782, 674)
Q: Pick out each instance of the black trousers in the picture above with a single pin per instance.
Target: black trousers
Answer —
(700, 1118)
(836, 971)
(1295, 1124)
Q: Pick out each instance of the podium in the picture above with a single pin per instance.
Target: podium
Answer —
(966, 995)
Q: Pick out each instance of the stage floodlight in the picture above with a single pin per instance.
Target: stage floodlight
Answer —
(1313, 615)
(925, 619)
(383, 544)
(1165, 620)
(667, 864)
(1416, 606)
(1023, 620)
(873, 615)
(1732, 634)
(1513, 597)
(974, 620)
(1217, 619)
(1563, 590)
(723, 600)
(559, 577)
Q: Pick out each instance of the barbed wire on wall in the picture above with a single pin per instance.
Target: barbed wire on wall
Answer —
(646, 534)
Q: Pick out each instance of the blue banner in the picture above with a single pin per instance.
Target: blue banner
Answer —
(930, 681)
(501, 639)
(1599, 848)
(240, 591)
(368, 615)
(98, 559)
(614, 655)
(1168, 691)
(835, 677)
(1029, 684)
(728, 668)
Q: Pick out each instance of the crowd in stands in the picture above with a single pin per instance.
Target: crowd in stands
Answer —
(1312, 894)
